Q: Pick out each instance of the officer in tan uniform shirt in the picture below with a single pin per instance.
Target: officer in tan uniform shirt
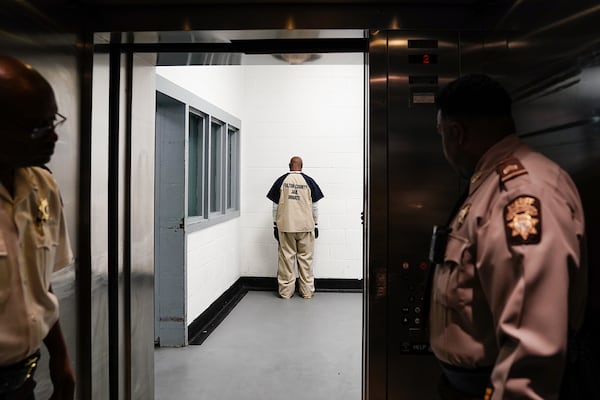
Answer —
(511, 282)
(33, 235)
(295, 219)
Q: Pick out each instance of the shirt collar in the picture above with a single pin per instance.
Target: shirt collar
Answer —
(24, 184)
(491, 158)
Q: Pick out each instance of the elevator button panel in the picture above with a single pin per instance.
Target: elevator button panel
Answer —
(408, 296)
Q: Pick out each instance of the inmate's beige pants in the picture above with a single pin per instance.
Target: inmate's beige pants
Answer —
(295, 246)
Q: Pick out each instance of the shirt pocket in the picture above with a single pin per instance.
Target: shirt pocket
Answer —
(454, 288)
(45, 253)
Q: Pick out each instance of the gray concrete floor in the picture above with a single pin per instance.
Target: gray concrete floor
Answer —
(271, 349)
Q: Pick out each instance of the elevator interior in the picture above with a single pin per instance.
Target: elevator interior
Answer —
(548, 57)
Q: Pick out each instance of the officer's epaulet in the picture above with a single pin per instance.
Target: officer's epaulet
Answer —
(508, 169)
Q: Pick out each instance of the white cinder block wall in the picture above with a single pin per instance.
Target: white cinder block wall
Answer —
(314, 111)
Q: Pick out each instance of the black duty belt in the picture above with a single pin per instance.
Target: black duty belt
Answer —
(12, 377)
(472, 381)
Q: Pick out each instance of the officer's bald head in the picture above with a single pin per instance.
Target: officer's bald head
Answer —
(22, 88)
(28, 115)
(474, 113)
(477, 99)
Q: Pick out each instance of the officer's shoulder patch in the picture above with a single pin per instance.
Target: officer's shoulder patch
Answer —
(509, 169)
(523, 221)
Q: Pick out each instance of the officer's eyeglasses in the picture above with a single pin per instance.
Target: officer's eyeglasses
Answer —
(37, 133)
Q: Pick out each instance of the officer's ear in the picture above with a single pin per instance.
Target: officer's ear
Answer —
(457, 130)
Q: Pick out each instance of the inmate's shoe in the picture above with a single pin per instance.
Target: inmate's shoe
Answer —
(307, 296)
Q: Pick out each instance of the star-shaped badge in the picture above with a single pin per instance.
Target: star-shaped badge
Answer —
(43, 211)
(523, 221)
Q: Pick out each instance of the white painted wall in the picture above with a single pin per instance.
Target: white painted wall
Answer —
(314, 111)
(213, 259)
(220, 85)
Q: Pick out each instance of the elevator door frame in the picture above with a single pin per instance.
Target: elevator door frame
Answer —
(378, 312)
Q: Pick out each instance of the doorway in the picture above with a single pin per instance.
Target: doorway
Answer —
(316, 110)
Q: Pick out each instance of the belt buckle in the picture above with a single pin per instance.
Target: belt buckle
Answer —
(15, 376)
(31, 365)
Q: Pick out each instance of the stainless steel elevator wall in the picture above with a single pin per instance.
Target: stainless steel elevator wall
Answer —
(411, 187)
(416, 193)
(140, 332)
(134, 319)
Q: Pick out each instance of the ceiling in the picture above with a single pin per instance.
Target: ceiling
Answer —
(507, 35)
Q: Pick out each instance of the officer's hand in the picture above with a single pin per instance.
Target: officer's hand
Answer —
(316, 232)
(276, 233)
(63, 379)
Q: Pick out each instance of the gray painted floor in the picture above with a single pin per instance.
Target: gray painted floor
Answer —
(271, 349)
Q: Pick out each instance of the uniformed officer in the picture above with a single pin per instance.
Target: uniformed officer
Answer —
(33, 235)
(295, 219)
(510, 283)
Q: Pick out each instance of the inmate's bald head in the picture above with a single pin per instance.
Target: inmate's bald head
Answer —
(296, 164)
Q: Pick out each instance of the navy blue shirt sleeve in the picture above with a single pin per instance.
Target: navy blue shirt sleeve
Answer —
(274, 193)
(315, 190)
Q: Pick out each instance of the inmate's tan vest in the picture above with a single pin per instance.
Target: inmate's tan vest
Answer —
(294, 212)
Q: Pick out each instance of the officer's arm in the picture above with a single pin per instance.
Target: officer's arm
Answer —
(524, 252)
(61, 373)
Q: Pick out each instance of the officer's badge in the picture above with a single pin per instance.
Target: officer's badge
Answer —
(523, 221)
(462, 214)
(43, 212)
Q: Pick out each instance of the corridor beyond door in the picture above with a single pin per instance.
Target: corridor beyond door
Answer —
(268, 348)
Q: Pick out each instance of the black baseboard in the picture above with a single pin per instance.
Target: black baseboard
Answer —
(339, 285)
(206, 322)
(321, 284)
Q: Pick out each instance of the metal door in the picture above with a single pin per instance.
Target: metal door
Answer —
(169, 259)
